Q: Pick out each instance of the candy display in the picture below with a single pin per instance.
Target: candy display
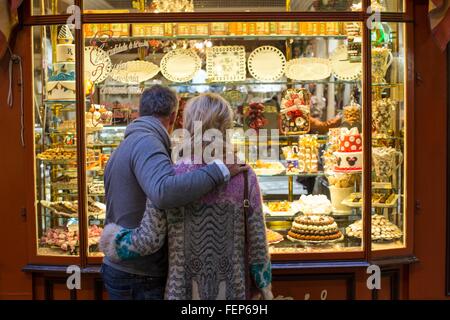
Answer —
(382, 115)
(314, 228)
(352, 113)
(349, 157)
(315, 204)
(65, 182)
(255, 116)
(388, 199)
(329, 159)
(302, 158)
(382, 229)
(341, 180)
(98, 116)
(68, 240)
(340, 186)
(273, 237)
(295, 111)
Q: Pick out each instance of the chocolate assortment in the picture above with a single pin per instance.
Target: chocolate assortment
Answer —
(295, 111)
(382, 113)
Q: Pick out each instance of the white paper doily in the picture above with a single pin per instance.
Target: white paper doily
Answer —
(134, 72)
(342, 68)
(308, 69)
(226, 63)
(97, 64)
(266, 63)
(180, 65)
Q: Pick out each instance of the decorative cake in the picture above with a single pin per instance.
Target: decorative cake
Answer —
(350, 156)
(314, 228)
(61, 82)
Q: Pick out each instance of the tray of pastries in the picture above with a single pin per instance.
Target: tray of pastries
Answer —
(379, 200)
(69, 209)
(269, 168)
(273, 237)
(281, 208)
(382, 230)
(62, 155)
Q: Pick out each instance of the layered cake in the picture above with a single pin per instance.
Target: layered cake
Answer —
(314, 228)
(61, 82)
(350, 156)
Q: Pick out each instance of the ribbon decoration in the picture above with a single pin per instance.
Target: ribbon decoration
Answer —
(16, 60)
(8, 20)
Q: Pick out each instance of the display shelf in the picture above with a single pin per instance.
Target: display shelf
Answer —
(218, 37)
(388, 85)
(60, 101)
(391, 204)
(59, 161)
(255, 83)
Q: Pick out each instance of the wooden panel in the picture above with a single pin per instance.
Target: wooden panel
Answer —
(14, 236)
(430, 162)
(448, 176)
(315, 286)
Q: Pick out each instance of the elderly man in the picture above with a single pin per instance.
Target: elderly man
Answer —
(141, 168)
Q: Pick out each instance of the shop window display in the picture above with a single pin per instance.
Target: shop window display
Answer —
(55, 141)
(308, 97)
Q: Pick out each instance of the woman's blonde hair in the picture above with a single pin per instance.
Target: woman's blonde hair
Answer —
(213, 112)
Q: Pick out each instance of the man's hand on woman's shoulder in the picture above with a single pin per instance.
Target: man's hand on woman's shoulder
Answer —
(236, 169)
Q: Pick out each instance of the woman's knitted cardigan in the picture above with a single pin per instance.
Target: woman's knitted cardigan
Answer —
(206, 242)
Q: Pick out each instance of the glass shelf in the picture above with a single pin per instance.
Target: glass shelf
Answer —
(306, 174)
(254, 83)
(219, 37)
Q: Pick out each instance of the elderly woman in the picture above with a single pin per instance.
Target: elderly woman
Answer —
(206, 239)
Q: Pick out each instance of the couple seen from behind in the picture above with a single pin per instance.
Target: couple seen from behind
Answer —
(178, 231)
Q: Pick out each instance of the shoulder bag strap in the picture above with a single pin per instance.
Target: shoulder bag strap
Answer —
(246, 237)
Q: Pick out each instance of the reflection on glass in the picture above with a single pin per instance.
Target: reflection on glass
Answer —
(313, 191)
(110, 6)
(50, 7)
(55, 141)
(388, 124)
(388, 5)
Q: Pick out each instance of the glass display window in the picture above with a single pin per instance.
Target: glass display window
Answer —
(389, 121)
(302, 82)
(50, 7)
(55, 130)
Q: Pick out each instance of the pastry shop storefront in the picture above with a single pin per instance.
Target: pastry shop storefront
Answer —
(336, 96)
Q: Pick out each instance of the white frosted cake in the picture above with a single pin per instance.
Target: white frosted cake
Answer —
(61, 84)
(350, 156)
(315, 204)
